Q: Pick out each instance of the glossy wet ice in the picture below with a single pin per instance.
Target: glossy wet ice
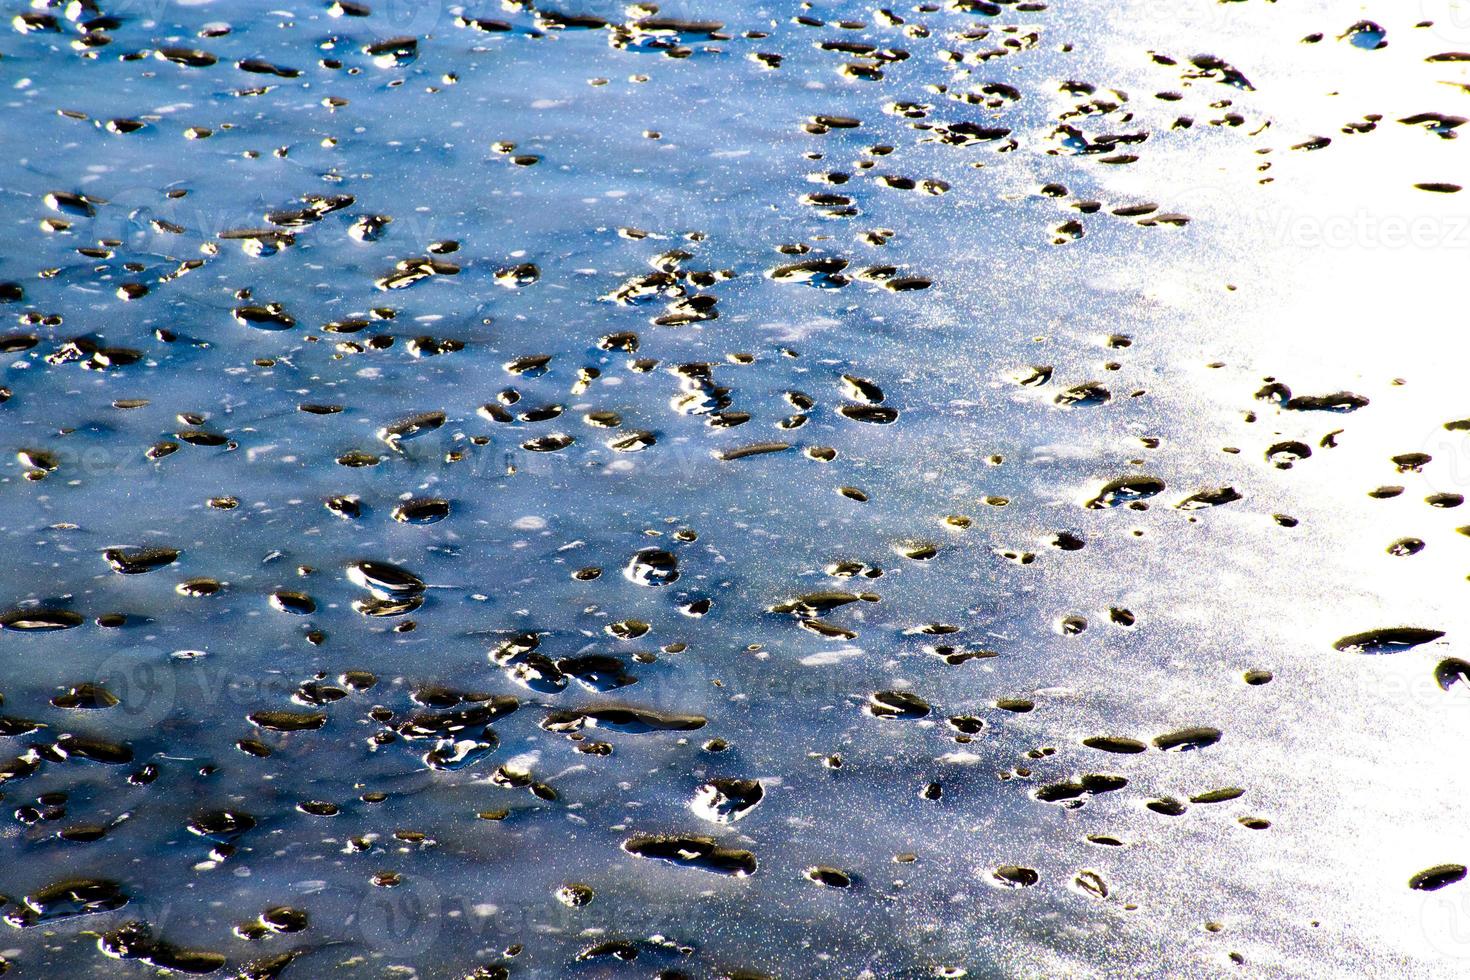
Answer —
(835, 492)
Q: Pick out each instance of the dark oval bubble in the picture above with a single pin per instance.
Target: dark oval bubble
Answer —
(1391, 639)
(421, 510)
(40, 620)
(67, 899)
(702, 853)
(384, 579)
(1437, 877)
(136, 561)
(652, 567)
(897, 705)
(1116, 744)
(1014, 876)
(1125, 490)
(1188, 739)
